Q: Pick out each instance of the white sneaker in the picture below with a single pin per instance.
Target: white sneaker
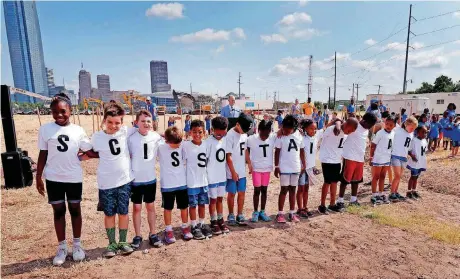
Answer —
(60, 257)
(78, 253)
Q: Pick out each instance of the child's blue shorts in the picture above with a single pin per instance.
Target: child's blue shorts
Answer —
(236, 186)
(198, 196)
(115, 200)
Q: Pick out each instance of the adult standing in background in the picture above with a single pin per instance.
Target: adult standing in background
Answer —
(295, 107)
(152, 108)
(351, 106)
(451, 110)
(230, 110)
(308, 109)
(382, 108)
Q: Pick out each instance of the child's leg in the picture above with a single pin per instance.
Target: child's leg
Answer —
(151, 217)
(75, 214)
(109, 223)
(430, 142)
(192, 212)
(212, 208)
(137, 208)
(390, 175)
(220, 206)
(59, 211)
(263, 198)
(343, 187)
(255, 198)
(354, 191)
(435, 141)
(375, 178)
(241, 196)
(383, 173)
(183, 216)
(305, 196)
(292, 198)
(333, 193)
(282, 197)
(231, 203)
(123, 223)
(397, 170)
(201, 212)
(324, 191)
(299, 196)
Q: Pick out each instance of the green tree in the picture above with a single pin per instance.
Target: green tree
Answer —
(318, 104)
(442, 84)
(425, 88)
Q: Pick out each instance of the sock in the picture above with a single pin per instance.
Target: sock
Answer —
(111, 235)
(169, 228)
(193, 223)
(201, 221)
(214, 217)
(292, 211)
(353, 199)
(375, 194)
(63, 244)
(76, 242)
(280, 212)
(340, 200)
(184, 225)
(122, 234)
(220, 216)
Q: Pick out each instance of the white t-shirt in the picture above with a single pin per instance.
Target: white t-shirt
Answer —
(290, 152)
(310, 147)
(236, 144)
(419, 148)
(114, 169)
(384, 142)
(172, 166)
(215, 152)
(331, 149)
(401, 142)
(196, 161)
(63, 144)
(143, 150)
(261, 152)
(354, 147)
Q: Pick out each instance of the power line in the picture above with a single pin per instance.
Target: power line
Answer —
(437, 30)
(438, 44)
(435, 16)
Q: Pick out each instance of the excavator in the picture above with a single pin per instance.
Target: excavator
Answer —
(87, 101)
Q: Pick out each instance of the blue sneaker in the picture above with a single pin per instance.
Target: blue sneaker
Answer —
(241, 221)
(231, 221)
(255, 217)
(264, 217)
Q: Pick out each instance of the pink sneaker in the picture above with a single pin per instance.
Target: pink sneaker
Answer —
(186, 234)
(294, 218)
(280, 218)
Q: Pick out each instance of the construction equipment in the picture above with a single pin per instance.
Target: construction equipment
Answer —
(86, 101)
(161, 110)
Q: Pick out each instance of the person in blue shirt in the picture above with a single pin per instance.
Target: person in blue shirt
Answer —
(448, 133)
(152, 108)
(207, 120)
(451, 109)
(230, 110)
(315, 116)
(351, 107)
(443, 122)
(403, 115)
(382, 108)
(279, 118)
(435, 128)
(321, 120)
(455, 137)
(188, 122)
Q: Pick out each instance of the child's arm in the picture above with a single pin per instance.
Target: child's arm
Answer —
(371, 156)
(277, 162)
(42, 156)
(230, 166)
(302, 159)
(248, 160)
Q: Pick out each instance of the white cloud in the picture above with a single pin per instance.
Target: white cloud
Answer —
(303, 3)
(428, 59)
(457, 42)
(402, 46)
(304, 33)
(295, 18)
(220, 49)
(209, 35)
(301, 88)
(457, 14)
(273, 38)
(168, 11)
(370, 42)
(281, 69)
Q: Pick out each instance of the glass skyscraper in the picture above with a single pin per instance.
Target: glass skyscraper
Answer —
(26, 50)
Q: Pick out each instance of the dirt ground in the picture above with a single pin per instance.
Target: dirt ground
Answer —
(418, 239)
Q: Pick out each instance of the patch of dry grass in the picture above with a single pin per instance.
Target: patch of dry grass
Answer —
(392, 216)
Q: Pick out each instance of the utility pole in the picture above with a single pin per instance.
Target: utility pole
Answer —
(310, 76)
(353, 91)
(335, 76)
(407, 50)
(357, 90)
(329, 99)
(191, 88)
(378, 92)
(274, 100)
(239, 85)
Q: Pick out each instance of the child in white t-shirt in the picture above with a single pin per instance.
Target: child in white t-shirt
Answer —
(380, 157)
(217, 176)
(259, 155)
(307, 178)
(114, 176)
(330, 155)
(173, 183)
(417, 160)
(197, 179)
(143, 147)
(289, 163)
(354, 149)
(401, 144)
(236, 167)
(58, 161)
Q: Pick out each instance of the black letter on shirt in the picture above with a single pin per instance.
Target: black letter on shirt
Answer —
(341, 143)
(311, 147)
(390, 143)
(202, 158)
(292, 145)
(241, 148)
(145, 151)
(217, 155)
(175, 157)
(423, 150)
(61, 139)
(264, 147)
(113, 150)
(406, 144)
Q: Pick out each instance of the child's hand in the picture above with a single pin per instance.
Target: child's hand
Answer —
(250, 168)
(277, 172)
(40, 185)
(413, 157)
(235, 176)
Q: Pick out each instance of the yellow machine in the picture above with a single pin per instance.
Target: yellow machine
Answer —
(161, 110)
(205, 108)
(86, 101)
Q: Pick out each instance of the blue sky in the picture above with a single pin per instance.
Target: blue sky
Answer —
(208, 43)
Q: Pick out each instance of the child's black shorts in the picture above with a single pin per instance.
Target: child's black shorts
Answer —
(59, 191)
(331, 172)
(180, 196)
(143, 193)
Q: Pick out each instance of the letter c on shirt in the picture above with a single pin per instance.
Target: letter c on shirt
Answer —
(113, 149)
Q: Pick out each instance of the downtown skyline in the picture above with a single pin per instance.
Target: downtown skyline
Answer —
(208, 43)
